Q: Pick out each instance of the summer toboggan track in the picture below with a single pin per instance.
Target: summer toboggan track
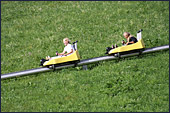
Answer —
(82, 62)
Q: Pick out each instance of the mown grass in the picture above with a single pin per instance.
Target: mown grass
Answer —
(32, 30)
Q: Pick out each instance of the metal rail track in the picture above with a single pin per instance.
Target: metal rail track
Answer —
(82, 62)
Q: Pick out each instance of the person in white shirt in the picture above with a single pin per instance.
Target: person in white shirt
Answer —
(68, 50)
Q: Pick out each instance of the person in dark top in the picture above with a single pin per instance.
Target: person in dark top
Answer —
(130, 39)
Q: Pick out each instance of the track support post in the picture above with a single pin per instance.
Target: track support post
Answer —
(85, 67)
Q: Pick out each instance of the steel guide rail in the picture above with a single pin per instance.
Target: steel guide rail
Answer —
(82, 62)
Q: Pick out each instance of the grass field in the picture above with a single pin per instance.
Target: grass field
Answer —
(32, 30)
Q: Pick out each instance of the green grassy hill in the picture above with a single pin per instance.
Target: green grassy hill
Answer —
(32, 30)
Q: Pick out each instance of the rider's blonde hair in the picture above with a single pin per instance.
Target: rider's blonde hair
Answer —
(67, 39)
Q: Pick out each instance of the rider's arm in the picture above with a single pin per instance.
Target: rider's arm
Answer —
(61, 53)
(130, 42)
(69, 52)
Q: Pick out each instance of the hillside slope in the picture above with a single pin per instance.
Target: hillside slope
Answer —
(32, 30)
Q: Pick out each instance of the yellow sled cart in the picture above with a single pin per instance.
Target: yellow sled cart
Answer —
(74, 57)
(129, 48)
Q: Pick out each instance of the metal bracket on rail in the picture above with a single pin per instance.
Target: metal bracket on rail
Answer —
(118, 55)
(75, 64)
(53, 67)
(140, 52)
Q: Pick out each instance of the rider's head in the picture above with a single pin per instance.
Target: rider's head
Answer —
(126, 34)
(66, 41)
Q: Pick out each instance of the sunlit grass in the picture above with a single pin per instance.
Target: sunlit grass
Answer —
(32, 30)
